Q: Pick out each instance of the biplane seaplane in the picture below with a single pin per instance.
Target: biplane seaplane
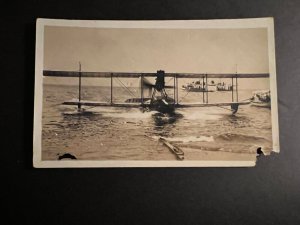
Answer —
(158, 99)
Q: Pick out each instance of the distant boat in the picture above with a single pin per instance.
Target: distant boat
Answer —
(224, 87)
(198, 86)
(261, 98)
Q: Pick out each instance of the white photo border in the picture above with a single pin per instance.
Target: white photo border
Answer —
(166, 24)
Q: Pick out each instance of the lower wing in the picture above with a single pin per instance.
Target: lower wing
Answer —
(108, 104)
(138, 104)
(189, 105)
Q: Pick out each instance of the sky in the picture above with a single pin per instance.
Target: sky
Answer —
(148, 50)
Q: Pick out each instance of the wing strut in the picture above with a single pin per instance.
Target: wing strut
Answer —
(79, 88)
(142, 89)
(174, 89)
(111, 88)
(203, 89)
(206, 88)
(232, 88)
(177, 89)
(236, 83)
(236, 88)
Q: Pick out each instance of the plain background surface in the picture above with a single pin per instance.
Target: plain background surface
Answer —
(266, 194)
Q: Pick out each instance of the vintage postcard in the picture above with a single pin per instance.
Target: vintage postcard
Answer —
(154, 93)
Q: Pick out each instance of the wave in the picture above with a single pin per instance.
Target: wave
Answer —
(202, 114)
(188, 139)
(240, 138)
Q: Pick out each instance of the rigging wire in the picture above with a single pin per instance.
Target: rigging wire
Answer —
(184, 96)
(246, 99)
(126, 88)
(170, 80)
(106, 98)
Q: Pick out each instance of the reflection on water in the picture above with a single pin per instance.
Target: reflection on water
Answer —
(237, 120)
(164, 123)
(162, 119)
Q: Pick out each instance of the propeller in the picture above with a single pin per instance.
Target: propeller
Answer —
(148, 84)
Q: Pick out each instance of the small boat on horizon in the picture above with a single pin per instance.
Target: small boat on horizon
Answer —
(224, 87)
(198, 86)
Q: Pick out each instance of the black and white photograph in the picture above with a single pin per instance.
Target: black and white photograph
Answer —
(154, 93)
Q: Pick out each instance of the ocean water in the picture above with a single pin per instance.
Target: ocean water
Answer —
(108, 133)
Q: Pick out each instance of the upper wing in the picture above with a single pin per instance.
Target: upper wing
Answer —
(56, 73)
